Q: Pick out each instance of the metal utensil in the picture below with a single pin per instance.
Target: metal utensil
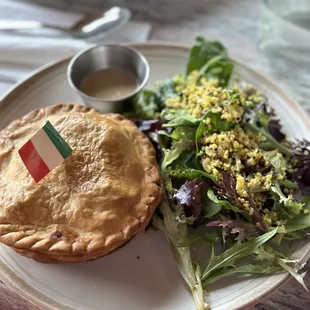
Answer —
(91, 25)
(104, 57)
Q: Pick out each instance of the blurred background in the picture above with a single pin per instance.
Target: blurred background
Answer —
(272, 36)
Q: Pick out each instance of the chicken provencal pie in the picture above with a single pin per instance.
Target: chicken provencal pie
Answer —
(92, 203)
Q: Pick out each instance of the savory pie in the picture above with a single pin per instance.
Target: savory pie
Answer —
(93, 202)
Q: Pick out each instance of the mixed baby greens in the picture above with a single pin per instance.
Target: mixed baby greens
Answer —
(230, 175)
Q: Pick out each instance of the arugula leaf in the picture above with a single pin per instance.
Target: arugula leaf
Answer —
(293, 270)
(210, 57)
(290, 265)
(302, 220)
(176, 232)
(263, 254)
(235, 252)
(227, 205)
(293, 206)
(246, 269)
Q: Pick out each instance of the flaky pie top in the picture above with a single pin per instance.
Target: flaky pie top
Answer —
(97, 199)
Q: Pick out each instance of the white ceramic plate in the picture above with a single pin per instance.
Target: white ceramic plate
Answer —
(142, 275)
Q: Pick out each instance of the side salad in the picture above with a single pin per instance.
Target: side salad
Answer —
(232, 178)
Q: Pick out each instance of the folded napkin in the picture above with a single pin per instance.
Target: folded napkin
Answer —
(22, 52)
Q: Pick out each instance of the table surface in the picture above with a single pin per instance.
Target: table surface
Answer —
(235, 23)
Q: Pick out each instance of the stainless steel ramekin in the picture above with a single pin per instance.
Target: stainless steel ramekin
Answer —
(104, 57)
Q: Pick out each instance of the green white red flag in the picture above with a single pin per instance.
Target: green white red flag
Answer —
(44, 151)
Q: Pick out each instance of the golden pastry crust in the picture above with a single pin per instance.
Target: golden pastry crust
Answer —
(93, 202)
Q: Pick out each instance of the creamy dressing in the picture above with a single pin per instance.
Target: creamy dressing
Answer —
(112, 83)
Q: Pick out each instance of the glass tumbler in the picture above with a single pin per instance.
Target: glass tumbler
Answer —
(284, 38)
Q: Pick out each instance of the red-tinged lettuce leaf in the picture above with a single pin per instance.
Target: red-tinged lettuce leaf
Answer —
(301, 155)
(149, 125)
(274, 127)
(256, 215)
(244, 230)
(153, 129)
(267, 118)
(227, 188)
(189, 194)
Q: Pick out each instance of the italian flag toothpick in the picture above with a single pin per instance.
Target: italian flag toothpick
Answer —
(44, 151)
